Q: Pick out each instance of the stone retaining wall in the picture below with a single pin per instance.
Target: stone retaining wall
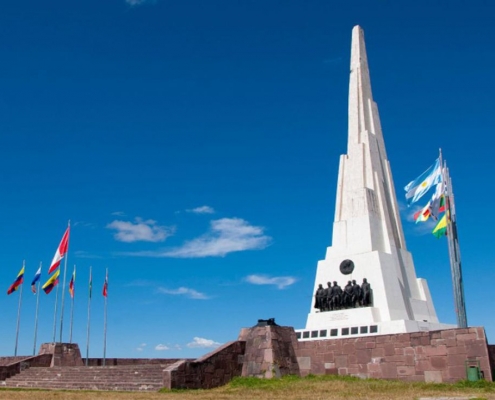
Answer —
(437, 356)
(214, 369)
(20, 363)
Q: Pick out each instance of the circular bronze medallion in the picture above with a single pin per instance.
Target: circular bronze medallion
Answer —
(346, 267)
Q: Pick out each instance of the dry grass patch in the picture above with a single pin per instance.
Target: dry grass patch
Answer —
(287, 388)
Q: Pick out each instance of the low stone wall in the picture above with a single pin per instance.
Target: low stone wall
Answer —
(214, 369)
(491, 353)
(11, 360)
(95, 362)
(21, 363)
(437, 356)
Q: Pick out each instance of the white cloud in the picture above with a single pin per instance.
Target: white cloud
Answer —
(203, 343)
(280, 281)
(140, 230)
(161, 347)
(191, 293)
(226, 235)
(202, 210)
(141, 347)
(119, 214)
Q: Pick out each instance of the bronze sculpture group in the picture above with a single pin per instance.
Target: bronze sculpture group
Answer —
(334, 298)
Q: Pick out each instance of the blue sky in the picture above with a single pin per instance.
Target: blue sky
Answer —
(194, 146)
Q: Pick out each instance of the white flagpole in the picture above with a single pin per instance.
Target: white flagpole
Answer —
(55, 314)
(89, 314)
(63, 288)
(454, 253)
(72, 305)
(19, 314)
(36, 314)
(105, 322)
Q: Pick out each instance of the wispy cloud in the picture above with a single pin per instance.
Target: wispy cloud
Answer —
(226, 235)
(85, 254)
(118, 214)
(161, 347)
(140, 230)
(333, 60)
(184, 291)
(280, 281)
(202, 343)
(85, 224)
(202, 210)
(138, 2)
(141, 347)
(140, 283)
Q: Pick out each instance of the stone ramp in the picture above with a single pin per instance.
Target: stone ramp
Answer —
(126, 378)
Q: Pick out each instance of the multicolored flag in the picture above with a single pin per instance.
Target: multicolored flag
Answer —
(441, 228)
(61, 250)
(423, 214)
(17, 282)
(36, 278)
(72, 283)
(105, 287)
(51, 283)
(418, 187)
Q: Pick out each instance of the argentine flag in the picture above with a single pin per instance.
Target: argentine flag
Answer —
(418, 187)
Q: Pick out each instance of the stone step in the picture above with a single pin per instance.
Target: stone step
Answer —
(125, 386)
(88, 379)
(131, 378)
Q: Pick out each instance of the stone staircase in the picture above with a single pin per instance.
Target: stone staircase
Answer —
(123, 377)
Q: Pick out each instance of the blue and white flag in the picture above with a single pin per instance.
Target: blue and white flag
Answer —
(418, 187)
(36, 278)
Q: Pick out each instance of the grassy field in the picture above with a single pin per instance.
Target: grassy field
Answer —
(287, 388)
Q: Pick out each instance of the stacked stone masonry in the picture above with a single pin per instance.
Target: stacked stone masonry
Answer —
(437, 356)
(270, 351)
(212, 370)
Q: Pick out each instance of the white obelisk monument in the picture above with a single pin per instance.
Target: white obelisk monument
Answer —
(367, 231)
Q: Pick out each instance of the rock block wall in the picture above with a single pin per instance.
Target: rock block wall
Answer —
(64, 354)
(214, 369)
(270, 351)
(18, 364)
(436, 356)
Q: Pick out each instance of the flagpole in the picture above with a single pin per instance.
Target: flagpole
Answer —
(105, 324)
(18, 315)
(55, 315)
(454, 252)
(63, 288)
(72, 307)
(455, 257)
(36, 315)
(89, 314)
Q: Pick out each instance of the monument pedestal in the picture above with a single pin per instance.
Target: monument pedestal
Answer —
(64, 354)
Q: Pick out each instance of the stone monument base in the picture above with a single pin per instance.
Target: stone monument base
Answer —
(64, 354)
(357, 322)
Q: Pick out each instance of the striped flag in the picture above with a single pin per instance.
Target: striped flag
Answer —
(51, 283)
(36, 278)
(60, 253)
(105, 286)
(18, 282)
(72, 283)
(419, 186)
